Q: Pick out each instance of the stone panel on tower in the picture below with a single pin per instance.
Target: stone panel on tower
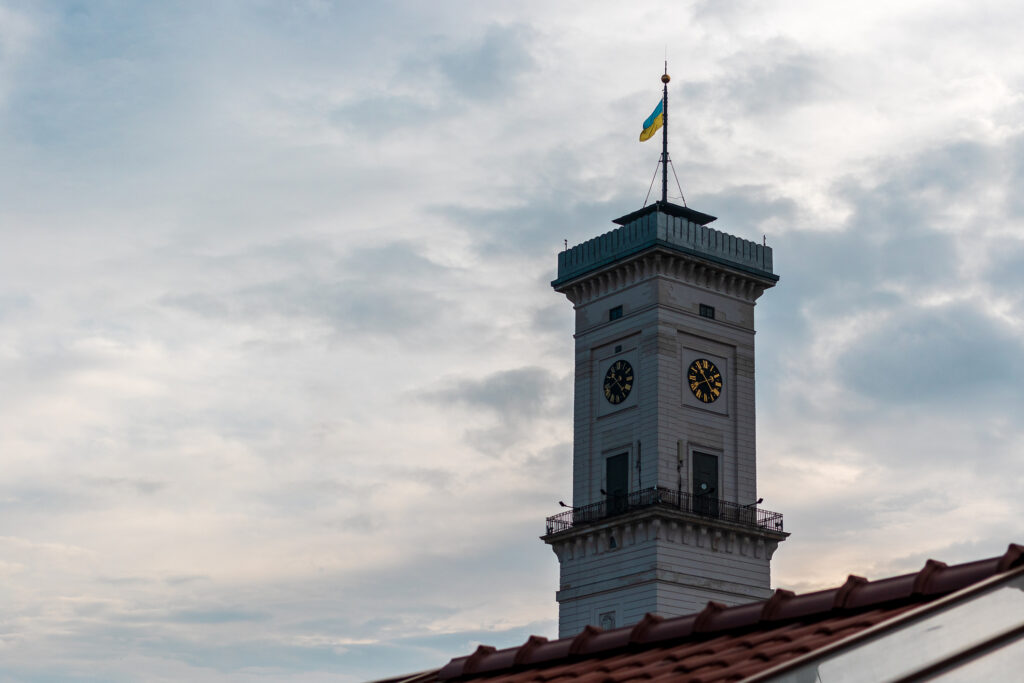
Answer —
(664, 515)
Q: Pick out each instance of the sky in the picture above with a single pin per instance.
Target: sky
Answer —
(285, 393)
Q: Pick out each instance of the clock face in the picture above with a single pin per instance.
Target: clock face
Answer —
(618, 381)
(705, 380)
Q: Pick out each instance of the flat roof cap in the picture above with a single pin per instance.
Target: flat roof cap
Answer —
(670, 209)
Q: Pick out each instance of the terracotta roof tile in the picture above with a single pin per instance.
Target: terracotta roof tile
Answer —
(724, 643)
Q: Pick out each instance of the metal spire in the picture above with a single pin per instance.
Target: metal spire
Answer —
(664, 137)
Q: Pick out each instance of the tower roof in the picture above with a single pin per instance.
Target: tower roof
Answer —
(670, 209)
(668, 226)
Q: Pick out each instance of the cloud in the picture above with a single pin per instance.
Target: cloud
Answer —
(950, 354)
(370, 290)
(515, 402)
(534, 228)
(436, 81)
(749, 209)
(491, 67)
(519, 394)
(381, 114)
(762, 78)
(215, 616)
(286, 391)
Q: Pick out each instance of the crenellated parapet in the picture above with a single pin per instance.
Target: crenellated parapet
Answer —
(711, 257)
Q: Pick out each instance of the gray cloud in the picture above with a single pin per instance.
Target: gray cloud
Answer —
(491, 67)
(556, 319)
(381, 114)
(144, 487)
(515, 399)
(216, 221)
(950, 354)
(215, 616)
(537, 227)
(514, 395)
(367, 291)
(1005, 272)
(747, 208)
(764, 78)
(895, 247)
(487, 69)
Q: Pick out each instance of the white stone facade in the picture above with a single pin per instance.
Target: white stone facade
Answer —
(668, 562)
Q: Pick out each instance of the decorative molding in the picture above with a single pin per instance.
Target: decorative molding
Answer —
(661, 262)
(664, 526)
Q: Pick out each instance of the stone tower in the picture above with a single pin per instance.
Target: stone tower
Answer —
(664, 514)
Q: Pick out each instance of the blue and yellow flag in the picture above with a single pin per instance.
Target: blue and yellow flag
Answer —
(653, 122)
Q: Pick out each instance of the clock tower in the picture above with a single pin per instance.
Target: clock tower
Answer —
(664, 514)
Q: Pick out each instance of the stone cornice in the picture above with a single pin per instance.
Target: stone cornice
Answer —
(666, 525)
(659, 261)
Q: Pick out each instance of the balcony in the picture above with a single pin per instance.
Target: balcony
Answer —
(700, 506)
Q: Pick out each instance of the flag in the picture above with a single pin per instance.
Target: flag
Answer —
(653, 122)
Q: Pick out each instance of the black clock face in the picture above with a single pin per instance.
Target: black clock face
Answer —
(618, 381)
(705, 380)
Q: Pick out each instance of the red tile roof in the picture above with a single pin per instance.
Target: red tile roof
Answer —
(725, 643)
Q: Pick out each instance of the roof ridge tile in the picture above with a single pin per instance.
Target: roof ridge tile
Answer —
(643, 631)
(461, 666)
(706, 615)
(588, 633)
(923, 581)
(844, 592)
(1013, 557)
(525, 652)
(773, 605)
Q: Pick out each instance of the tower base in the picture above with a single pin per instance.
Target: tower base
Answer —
(659, 560)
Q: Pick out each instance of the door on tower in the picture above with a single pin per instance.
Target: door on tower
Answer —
(705, 484)
(617, 483)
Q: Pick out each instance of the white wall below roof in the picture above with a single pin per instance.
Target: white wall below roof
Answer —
(668, 564)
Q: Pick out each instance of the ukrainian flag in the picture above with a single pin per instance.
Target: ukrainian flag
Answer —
(653, 122)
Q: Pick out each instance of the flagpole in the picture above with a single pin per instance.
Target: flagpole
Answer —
(664, 137)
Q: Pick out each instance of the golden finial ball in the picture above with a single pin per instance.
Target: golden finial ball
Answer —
(665, 79)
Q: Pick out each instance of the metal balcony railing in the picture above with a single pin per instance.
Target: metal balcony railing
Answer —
(704, 506)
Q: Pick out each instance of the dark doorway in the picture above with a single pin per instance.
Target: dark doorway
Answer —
(705, 484)
(617, 482)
